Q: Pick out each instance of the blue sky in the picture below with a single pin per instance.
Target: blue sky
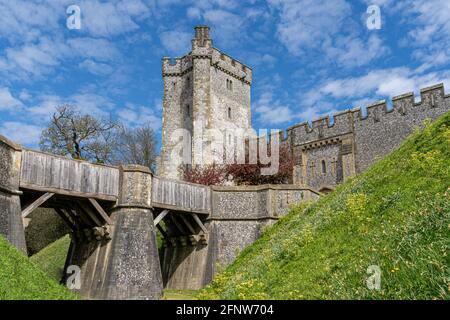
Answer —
(309, 57)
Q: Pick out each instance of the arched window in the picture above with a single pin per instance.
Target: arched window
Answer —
(324, 167)
(229, 113)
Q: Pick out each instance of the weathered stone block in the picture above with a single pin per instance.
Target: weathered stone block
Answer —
(123, 262)
(11, 224)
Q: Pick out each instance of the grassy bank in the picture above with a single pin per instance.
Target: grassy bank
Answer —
(395, 217)
(21, 279)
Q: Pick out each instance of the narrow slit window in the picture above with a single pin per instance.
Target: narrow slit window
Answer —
(188, 110)
(229, 113)
(324, 167)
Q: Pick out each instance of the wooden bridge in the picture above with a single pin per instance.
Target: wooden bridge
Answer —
(114, 211)
(82, 193)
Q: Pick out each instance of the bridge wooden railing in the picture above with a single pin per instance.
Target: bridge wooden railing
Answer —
(51, 173)
(171, 194)
(45, 172)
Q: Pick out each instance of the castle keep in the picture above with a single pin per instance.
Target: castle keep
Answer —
(208, 90)
(204, 92)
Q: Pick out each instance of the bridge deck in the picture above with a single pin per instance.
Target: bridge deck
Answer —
(45, 172)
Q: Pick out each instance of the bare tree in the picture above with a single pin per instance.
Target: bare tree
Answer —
(136, 146)
(82, 137)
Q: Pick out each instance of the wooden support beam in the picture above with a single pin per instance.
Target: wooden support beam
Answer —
(72, 225)
(36, 204)
(199, 222)
(80, 213)
(73, 216)
(100, 210)
(188, 225)
(160, 217)
(162, 231)
(90, 213)
(175, 222)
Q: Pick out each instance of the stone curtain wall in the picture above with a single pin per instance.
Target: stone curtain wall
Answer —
(382, 131)
(238, 217)
(239, 214)
(352, 142)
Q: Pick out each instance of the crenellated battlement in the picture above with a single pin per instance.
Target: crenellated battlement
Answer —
(231, 66)
(179, 67)
(202, 49)
(378, 112)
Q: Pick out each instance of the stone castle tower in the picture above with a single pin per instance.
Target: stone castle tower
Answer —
(205, 92)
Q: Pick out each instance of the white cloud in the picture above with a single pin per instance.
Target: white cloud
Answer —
(309, 23)
(225, 17)
(33, 59)
(256, 59)
(431, 34)
(98, 49)
(135, 116)
(27, 19)
(7, 101)
(308, 28)
(176, 42)
(373, 86)
(271, 111)
(24, 20)
(87, 103)
(354, 52)
(109, 19)
(194, 13)
(35, 41)
(43, 57)
(21, 132)
(96, 68)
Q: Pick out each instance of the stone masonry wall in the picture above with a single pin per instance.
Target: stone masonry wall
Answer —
(240, 214)
(198, 97)
(238, 217)
(11, 224)
(353, 142)
(178, 110)
(382, 131)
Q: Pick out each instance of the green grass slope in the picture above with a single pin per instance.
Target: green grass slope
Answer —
(51, 259)
(395, 216)
(21, 279)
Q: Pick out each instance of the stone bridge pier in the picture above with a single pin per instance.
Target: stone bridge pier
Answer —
(11, 224)
(120, 261)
